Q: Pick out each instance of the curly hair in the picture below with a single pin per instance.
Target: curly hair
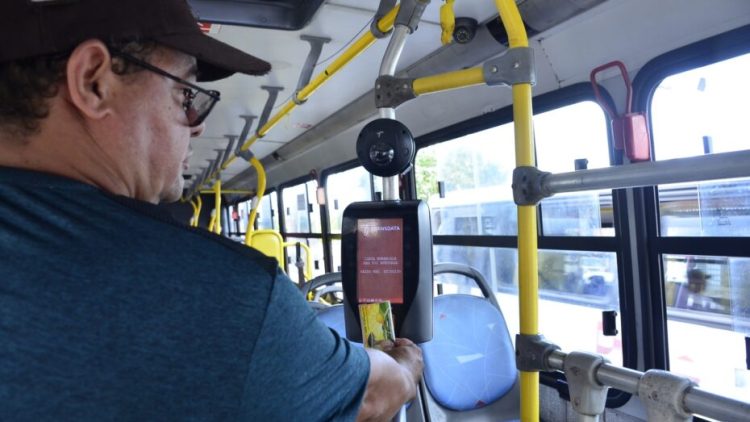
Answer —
(27, 85)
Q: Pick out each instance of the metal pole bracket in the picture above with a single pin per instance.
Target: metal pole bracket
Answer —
(273, 93)
(248, 118)
(391, 92)
(410, 12)
(528, 185)
(384, 7)
(514, 66)
(247, 155)
(663, 395)
(532, 353)
(587, 395)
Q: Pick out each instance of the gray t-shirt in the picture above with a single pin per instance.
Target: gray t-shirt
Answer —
(109, 310)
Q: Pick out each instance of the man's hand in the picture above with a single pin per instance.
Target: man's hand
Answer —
(408, 355)
(394, 374)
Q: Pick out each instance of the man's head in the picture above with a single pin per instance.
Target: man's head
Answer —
(113, 82)
(697, 280)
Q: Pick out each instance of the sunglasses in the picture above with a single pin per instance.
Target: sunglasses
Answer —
(198, 101)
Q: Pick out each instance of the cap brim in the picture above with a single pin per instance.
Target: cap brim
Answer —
(216, 60)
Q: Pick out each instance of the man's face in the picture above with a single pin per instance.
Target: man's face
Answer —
(696, 284)
(157, 127)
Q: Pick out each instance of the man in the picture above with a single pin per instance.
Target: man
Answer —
(108, 309)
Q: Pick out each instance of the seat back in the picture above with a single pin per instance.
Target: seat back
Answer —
(470, 369)
(470, 361)
(269, 242)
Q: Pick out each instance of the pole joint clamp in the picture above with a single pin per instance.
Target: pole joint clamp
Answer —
(514, 66)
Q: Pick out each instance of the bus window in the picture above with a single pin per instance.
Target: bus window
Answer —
(696, 112)
(563, 135)
(341, 190)
(314, 207)
(703, 111)
(709, 297)
(316, 249)
(296, 214)
(268, 216)
(477, 199)
(577, 284)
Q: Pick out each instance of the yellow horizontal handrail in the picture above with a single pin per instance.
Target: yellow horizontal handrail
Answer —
(448, 80)
(230, 191)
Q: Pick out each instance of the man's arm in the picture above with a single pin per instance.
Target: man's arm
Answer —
(394, 374)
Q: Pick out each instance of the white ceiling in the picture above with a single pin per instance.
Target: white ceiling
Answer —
(628, 30)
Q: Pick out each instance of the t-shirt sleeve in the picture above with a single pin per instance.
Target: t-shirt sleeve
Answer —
(301, 369)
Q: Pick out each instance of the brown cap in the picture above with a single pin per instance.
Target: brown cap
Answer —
(32, 28)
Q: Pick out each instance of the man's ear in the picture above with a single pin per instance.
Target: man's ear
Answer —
(90, 80)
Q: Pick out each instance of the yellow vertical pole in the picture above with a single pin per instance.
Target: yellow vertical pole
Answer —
(217, 207)
(197, 204)
(528, 282)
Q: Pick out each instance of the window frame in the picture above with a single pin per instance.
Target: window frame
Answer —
(303, 180)
(648, 238)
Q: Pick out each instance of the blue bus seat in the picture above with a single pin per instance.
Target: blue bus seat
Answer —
(470, 361)
(470, 368)
(470, 372)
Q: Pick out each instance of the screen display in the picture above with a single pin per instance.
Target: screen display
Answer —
(380, 260)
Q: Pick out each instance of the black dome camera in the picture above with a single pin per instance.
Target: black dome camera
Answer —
(465, 30)
(385, 147)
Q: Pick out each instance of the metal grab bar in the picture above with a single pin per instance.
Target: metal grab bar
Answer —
(695, 399)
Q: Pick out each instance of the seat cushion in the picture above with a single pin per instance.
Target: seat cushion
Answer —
(470, 361)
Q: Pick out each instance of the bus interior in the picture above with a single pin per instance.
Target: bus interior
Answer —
(639, 112)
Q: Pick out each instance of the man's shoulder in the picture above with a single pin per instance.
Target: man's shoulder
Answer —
(109, 222)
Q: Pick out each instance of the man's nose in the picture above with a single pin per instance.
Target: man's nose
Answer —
(196, 131)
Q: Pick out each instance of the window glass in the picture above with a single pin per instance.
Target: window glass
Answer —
(268, 218)
(703, 111)
(476, 196)
(713, 208)
(563, 135)
(316, 249)
(296, 206)
(243, 209)
(341, 190)
(708, 297)
(336, 255)
(574, 284)
(312, 198)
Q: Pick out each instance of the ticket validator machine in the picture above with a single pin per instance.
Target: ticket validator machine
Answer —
(386, 247)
